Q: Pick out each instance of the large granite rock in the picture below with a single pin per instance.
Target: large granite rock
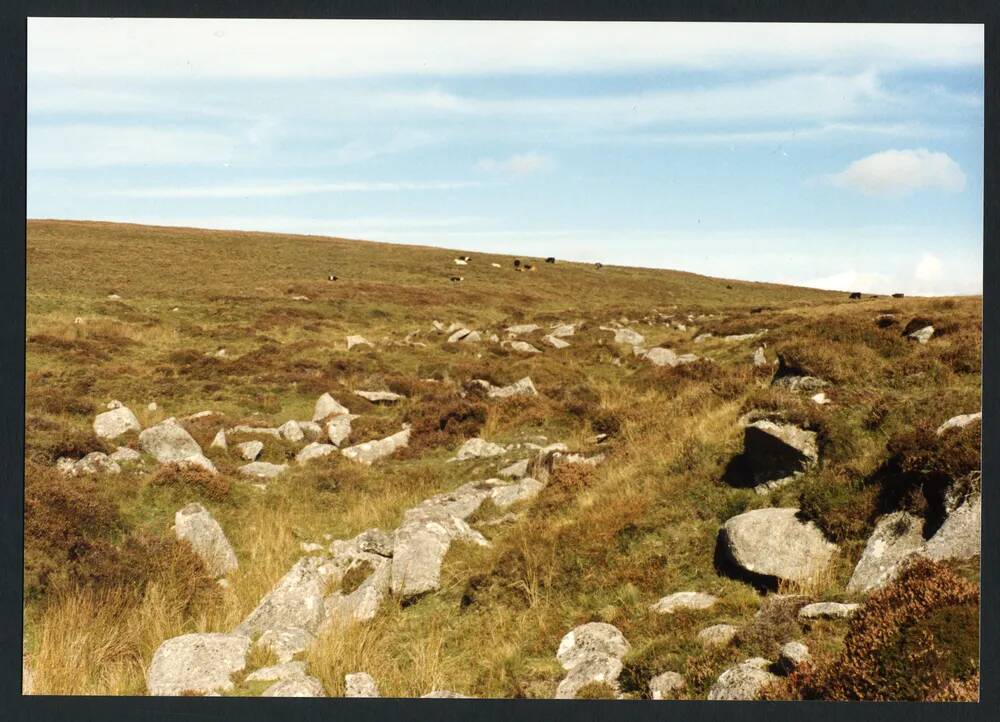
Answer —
(960, 535)
(684, 600)
(197, 663)
(117, 422)
(169, 443)
(522, 387)
(591, 653)
(896, 538)
(371, 451)
(195, 525)
(326, 406)
(742, 682)
(774, 452)
(775, 543)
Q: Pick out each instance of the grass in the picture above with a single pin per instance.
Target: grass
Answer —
(598, 544)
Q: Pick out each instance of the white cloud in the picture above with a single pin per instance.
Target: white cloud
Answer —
(894, 173)
(193, 48)
(279, 189)
(517, 164)
(930, 269)
(88, 146)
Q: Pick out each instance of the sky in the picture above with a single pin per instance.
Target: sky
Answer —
(836, 156)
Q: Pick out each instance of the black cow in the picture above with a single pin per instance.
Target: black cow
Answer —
(457, 279)
(598, 266)
(897, 295)
(517, 263)
(856, 294)
(550, 259)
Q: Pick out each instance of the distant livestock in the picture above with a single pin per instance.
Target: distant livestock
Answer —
(856, 294)
(331, 277)
(457, 279)
(897, 295)
(517, 263)
(461, 262)
(550, 259)
(465, 258)
(598, 266)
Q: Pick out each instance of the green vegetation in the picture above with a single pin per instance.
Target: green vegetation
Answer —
(106, 583)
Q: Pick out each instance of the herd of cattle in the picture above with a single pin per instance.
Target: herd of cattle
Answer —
(518, 266)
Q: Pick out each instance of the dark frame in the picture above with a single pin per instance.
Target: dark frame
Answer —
(13, 66)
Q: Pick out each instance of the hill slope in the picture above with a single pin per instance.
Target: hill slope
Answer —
(598, 543)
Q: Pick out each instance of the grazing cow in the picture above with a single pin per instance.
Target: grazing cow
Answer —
(598, 266)
(550, 259)
(897, 295)
(529, 267)
(517, 263)
(331, 277)
(461, 262)
(457, 279)
(729, 287)
(856, 294)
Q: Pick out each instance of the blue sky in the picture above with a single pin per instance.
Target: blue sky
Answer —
(837, 156)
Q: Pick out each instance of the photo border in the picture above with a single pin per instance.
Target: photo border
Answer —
(13, 116)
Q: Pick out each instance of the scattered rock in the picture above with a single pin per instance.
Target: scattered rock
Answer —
(744, 336)
(628, 336)
(922, 335)
(959, 536)
(125, 455)
(819, 399)
(444, 694)
(522, 329)
(828, 610)
(718, 635)
(478, 449)
(291, 431)
(198, 663)
(792, 655)
(263, 469)
(563, 330)
(666, 685)
(523, 347)
(112, 424)
(464, 335)
(353, 341)
(326, 405)
(169, 443)
(555, 341)
(219, 442)
(278, 672)
(702, 337)
(759, 357)
(96, 462)
(742, 682)
(959, 422)
(380, 397)
(526, 488)
(522, 387)
(314, 450)
(794, 382)
(255, 431)
(684, 600)
(590, 653)
(286, 642)
(250, 450)
(775, 453)
(517, 470)
(775, 543)
(295, 687)
(310, 430)
(339, 428)
(895, 539)
(195, 525)
(360, 684)
(371, 451)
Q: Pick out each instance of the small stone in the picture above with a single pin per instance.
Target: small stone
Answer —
(523, 347)
(250, 450)
(516, 470)
(295, 687)
(792, 655)
(314, 450)
(742, 682)
(478, 449)
(922, 335)
(195, 525)
(522, 387)
(360, 684)
(684, 600)
(290, 431)
(380, 397)
(959, 422)
(263, 469)
(555, 341)
(326, 405)
(116, 422)
(666, 685)
(125, 455)
(353, 341)
(828, 610)
(219, 442)
(718, 635)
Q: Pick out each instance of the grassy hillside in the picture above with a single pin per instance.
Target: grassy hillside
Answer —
(106, 583)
